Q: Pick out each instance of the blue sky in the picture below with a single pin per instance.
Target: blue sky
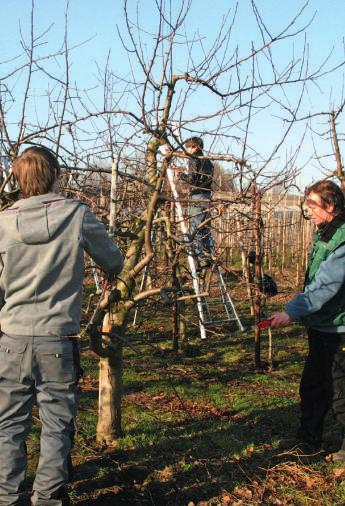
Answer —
(94, 24)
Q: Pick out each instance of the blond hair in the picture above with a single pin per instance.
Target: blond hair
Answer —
(36, 171)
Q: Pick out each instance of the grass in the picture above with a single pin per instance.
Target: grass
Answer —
(219, 446)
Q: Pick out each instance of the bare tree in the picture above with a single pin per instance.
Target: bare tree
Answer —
(163, 99)
(171, 71)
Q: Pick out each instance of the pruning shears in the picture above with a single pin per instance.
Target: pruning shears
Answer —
(262, 324)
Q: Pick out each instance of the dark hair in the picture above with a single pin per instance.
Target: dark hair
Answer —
(36, 170)
(194, 140)
(330, 193)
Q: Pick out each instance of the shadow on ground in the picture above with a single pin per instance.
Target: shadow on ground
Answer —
(198, 460)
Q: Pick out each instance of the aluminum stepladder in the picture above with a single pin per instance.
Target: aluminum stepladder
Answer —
(191, 261)
(203, 305)
(225, 301)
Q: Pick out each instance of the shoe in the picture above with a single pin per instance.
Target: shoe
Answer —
(309, 438)
(302, 438)
(336, 456)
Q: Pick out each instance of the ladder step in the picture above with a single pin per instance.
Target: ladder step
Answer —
(220, 320)
(219, 303)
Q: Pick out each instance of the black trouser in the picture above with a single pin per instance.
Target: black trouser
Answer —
(323, 381)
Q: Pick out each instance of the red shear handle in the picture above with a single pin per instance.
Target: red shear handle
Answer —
(263, 324)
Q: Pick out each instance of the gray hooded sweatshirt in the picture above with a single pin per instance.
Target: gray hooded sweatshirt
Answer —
(42, 243)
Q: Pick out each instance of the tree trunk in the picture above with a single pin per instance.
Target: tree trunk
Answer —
(110, 383)
(110, 391)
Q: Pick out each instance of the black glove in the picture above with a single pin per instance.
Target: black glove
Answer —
(111, 277)
(114, 296)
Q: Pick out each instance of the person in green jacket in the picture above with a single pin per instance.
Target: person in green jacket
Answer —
(321, 308)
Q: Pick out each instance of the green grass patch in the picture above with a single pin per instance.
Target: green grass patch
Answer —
(200, 426)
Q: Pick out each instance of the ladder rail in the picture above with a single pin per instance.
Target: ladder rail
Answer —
(191, 262)
(229, 299)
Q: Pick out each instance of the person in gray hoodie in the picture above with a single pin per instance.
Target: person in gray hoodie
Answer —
(43, 237)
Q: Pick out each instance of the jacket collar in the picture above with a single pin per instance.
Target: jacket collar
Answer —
(327, 230)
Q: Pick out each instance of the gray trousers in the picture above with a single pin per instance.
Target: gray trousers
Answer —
(202, 242)
(40, 369)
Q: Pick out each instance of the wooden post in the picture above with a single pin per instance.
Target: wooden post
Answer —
(113, 197)
(340, 170)
(175, 315)
(270, 349)
(258, 274)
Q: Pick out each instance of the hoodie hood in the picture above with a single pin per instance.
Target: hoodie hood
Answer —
(41, 280)
(40, 217)
(32, 225)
